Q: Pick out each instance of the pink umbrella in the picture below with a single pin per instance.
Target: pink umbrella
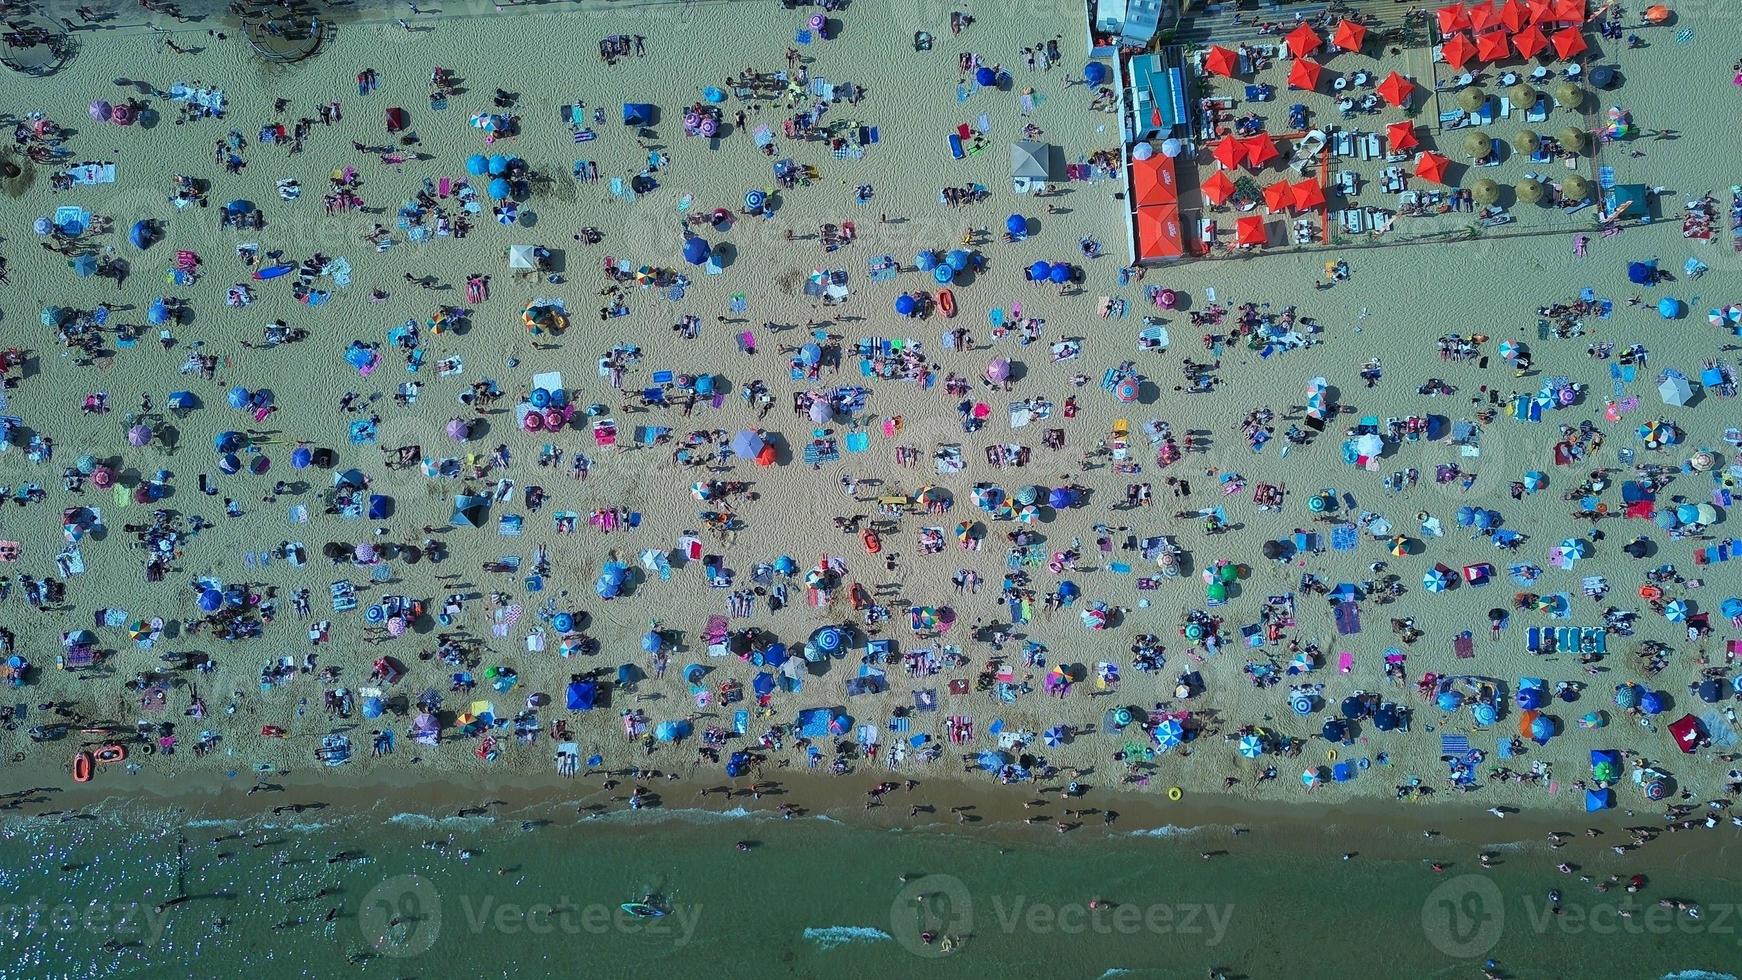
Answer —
(998, 370)
(101, 111)
(458, 430)
(365, 553)
(139, 435)
(103, 478)
(396, 626)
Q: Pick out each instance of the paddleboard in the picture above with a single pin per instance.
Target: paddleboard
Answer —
(274, 271)
(641, 910)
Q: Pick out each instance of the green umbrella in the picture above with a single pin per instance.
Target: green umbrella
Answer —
(1572, 139)
(1472, 99)
(1576, 188)
(1569, 96)
(1526, 141)
(1529, 191)
(1228, 573)
(1486, 191)
(1217, 592)
(1522, 96)
(1478, 144)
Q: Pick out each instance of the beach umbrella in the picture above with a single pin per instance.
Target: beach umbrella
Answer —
(101, 111)
(1541, 729)
(142, 234)
(1260, 149)
(695, 250)
(1710, 690)
(943, 275)
(1568, 95)
(1279, 196)
(1671, 308)
(227, 442)
(1529, 190)
(84, 266)
(1334, 730)
(1400, 136)
(238, 397)
(211, 600)
(1217, 187)
(1432, 166)
(1530, 698)
(138, 435)
(1576, 188)
(905, 305)
(1478, 144)
(1039, 271)
(300, 457)
(1230, 152)
(1310, 777)
(998, 370)
(1627, 696)
(1484, 713)
(1676, 611)
(821, 412)
(1059, 274)
(1016, 225)
(1304, 74)
(1592, 719)
(985, 76)
(1535, 480)
(1250, 231)
(1436, 579)
(1523, 96)
(1571, 139)
(497, 165)
(1458, 51)
(1169, 734)
(1251, 747)
(458, 430)
(1472, 99)
(1060, 498)
(1651, 702)
(1687, 513)
(958, 259)
(1353, 707)
(1395, 89)
(498, 188)
(1350, 36)
(229, 463)
(1530, 42)
(158, 314)
(754, 199)
(1301, 703)
(1569, 42)
(1452, 18)
(1387, 718)
(1485, 192)
(1221, 61)
(477, 165)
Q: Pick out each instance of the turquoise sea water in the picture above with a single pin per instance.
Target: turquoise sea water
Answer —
(812, 898)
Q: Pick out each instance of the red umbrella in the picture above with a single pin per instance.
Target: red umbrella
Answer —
(1350, 36)
(1569, 11)
(1303, 41)
(1400, 136)
(1530, 42)
(1249, 231)
(1278, 197)
(1260, 149)
(1308, 196)
(1452, 17)
(1513, 15)
(1229, 152)
(1218, 188)
(1483, 18)
(1541, 11)
(1396, 89)
(1221, 61)
(397, 119)
(1492, 46)
(1458, 51)
(1568, 42)
(1432, 166)
(1304, 74)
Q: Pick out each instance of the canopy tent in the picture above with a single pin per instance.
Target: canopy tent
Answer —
(1221, 61)
(1031, 159)
(1350, 36)
(1432, 166)
(1303, 40)
(1396, 89)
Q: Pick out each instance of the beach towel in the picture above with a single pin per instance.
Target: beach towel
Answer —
(1455, 747)
(86, 174)
(1348, 618)
(1344, 538)
(1464, 646)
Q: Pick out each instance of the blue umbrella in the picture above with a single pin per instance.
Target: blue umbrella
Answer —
(1731, 608)
(497, 165)
(754, 199)
(1435, 579)
(1449, 700)
(300, 457)
(1301, 704)
(1711, 690)
(229, 463)
(182, 401)
(563, 622)
(1334, 730)
(925, 260)
(1541, 729)
(1670, 308)
(239, 397)
(211, 600)
(1169, 734)
(1017, 225)
(1466, 516)
(651, 641)
(1485, 713)
(671, 731)
(477, 165)
(1060, 498)
(158, 313)
(1040, 271)
(1054, 736)
(142, 235)
(904, 305)
(1059, 274)
(985, 76)
(775, 655)
(1530, 698)
(227, 442)
(992, 760)
(1386, 718)
(1627, 696)
(810, 354)
(943, 274)
(1354, 707)
(498, 188)
(1095, 73)
(1642, 273)
(1651, 702)
(785, 565)
(958, 259)
(84, 266)
(695, 250)
(762, 684)
(43, 225)
(827, 639)
(1251, 747)
(51, 316)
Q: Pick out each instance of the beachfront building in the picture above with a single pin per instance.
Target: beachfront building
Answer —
(1127, 24)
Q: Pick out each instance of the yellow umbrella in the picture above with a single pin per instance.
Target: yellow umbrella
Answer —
(1522, 96)
(1569, 96)
(1575, 188)
(1472, 99)
(1478, 144)
(1571, 139)
(1529, 191)
(1526, 141)
(1486, 191)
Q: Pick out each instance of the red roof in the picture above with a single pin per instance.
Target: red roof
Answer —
(1153, 181)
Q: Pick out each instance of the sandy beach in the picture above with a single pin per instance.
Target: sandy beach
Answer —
(1355, 597)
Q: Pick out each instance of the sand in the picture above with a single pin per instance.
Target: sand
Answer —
(1397, 301)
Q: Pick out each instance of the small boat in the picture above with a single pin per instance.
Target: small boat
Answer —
(947, 302)
(110, 754)
(83, 766)
(274, 271)
(642, 910)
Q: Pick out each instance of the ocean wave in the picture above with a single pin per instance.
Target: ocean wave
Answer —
(477, 822)
(1698, 975)
(204, 823)
(833, 936)
(1117, 971)
(1167, 830)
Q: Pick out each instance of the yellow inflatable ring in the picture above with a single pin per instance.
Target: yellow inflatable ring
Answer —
(1174, 793)
(1331, 755)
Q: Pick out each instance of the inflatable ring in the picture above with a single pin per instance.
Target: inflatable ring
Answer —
(1330, 755)
(1174, 793)
(18, 757)
(148, 749)
(1362, 763)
